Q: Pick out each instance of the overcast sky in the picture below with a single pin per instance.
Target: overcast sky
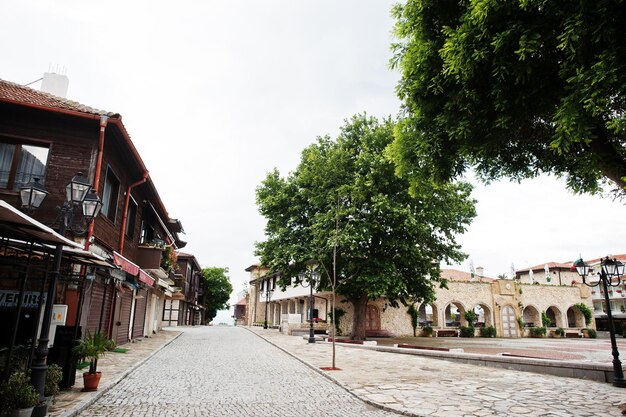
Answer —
(216, 93)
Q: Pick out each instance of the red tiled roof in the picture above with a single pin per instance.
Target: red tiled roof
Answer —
(568, 264)
(456, 275)
(15, 93)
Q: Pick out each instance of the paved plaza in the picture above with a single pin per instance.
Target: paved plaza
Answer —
(234, 371)
(226, 371)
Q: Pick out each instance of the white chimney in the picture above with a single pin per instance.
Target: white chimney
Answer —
(55, 84)
(480, 271)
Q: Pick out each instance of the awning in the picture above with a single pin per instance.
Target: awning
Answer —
(145, 278)
(133, 269)
(17, 225)
(125, 264)
(178, 296)
(158, 272)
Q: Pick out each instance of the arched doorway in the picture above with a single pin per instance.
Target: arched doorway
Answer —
(483, 315)
(575, 318)
(372, 318)
(509, 323)
(531, 317)
(554, 315)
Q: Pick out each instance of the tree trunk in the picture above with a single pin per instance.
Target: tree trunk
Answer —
(360, 315)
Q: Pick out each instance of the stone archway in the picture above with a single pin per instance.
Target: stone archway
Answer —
(372, 318)
(428, 315)
(483, 315)
(453, 314)
(575, 318)
(554, 314)
(509, 322)
(531, 317)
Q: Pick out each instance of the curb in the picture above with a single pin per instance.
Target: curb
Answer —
(83, 404)
(336, 382)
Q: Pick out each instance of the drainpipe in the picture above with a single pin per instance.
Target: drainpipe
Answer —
(126, 204)
(96, 179)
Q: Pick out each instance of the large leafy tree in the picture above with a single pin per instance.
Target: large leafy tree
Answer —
(217, 290)
(344, 192)
(513, 88)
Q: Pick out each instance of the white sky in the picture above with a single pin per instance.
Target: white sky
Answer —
(216, 93)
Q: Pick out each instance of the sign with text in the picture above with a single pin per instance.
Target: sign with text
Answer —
(10, 298)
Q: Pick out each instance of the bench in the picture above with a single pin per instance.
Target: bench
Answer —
(446, 333)
(574, 335)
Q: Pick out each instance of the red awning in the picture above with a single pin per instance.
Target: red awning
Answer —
(125, 264)
(132, 269)
(145, 278)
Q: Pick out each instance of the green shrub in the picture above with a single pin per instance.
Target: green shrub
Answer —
(592, 333)
(559, 332)
(427, 331)
(586, 311)
(471, 317)
(415, 316)
(54, 375)
(538, 332)
(467, 331)
(18, 393)
(545, 320)
(488, 331)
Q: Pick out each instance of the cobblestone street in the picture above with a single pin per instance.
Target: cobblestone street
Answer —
(226, 371)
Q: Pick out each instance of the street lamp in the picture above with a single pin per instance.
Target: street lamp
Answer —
(78, 193)
(268, 294)
(610, 268)
(311, 267)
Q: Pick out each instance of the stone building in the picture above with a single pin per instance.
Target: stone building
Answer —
(511, 306)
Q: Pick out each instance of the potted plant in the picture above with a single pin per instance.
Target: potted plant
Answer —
(427, 331)
(91, 348)
(54, 375)
(18, 395)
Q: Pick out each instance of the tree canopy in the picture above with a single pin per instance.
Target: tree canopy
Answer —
(513, 88)
(217, 290)
(389, 241)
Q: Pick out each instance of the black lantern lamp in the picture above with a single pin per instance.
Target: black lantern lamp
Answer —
(32, 195)
(91, 205)
(610, 276)
(77, 189)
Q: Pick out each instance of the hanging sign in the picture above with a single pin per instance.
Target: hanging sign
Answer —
(10, 298)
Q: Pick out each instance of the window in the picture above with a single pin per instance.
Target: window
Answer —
(19, 164)
(110, 195)
(131, 218)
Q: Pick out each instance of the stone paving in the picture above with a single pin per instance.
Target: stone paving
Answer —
(226, 371)
(422, 386)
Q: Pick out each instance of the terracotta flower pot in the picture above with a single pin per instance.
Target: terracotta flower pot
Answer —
(91, 381)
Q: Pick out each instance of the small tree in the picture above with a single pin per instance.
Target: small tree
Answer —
(217, 290)
(545, 320)
(586, 312)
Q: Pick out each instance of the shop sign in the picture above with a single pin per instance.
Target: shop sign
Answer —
(9, 299)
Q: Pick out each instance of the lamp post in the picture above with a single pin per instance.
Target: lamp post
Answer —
(268, 294)
(610, 268)
(78, 193)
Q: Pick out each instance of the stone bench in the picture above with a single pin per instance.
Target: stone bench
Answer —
(446, 333)
(574, 335)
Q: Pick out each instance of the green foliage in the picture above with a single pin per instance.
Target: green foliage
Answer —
(545, 320)
(339, 313)
(592, 333)
(17, 393)
(513, 89)
(471, 317)
(559, 332)
(415, 316)
(488, 331)
(586, 311)
(92, 347)
(520, 323)
(388, 241)
(54, 375)
(217, 290)
(427, 331)
(538, 332)
(169, 260)
(467, 331)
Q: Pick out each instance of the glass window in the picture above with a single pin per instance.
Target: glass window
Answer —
(19, 164)
(131, 218)
(110, 195)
